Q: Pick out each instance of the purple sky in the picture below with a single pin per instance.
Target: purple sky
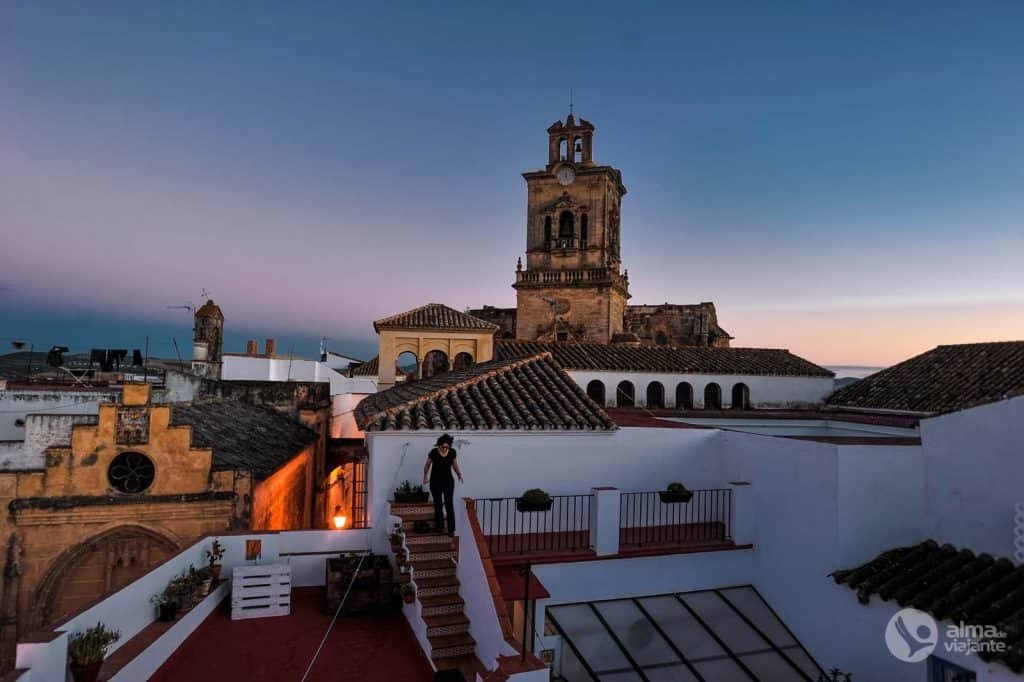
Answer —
(845, 182)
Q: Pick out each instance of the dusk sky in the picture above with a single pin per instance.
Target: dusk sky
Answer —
(842, 179)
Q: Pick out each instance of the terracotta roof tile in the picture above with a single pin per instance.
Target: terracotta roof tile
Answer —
(668, 359)
(243, 436)
(944, 379)
(950, 585)
(521, 393)
(434, 316)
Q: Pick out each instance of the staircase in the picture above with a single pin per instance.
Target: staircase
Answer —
(433, 557)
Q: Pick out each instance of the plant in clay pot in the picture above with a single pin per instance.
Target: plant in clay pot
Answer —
(86, 651)
(408, 593)
(214, 555)
(167, 605)
(533, 500)
(676, 492)
(409, 493)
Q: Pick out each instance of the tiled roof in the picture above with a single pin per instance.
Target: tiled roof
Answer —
(370, 368)
(243, 436)
(950, 585)
(434, 316)
(667, 359)
(522, 393)
(944, 379)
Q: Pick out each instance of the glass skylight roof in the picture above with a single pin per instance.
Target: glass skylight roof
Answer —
(716, 635)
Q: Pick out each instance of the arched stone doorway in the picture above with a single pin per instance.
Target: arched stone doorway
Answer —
(463, 360)
(740, 397)
(98, 566)
(625, 394)
(655, 394)
(712, 397)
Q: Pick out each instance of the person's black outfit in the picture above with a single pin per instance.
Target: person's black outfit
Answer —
(442, 488)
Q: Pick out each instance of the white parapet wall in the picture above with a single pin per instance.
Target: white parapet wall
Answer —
(129, 609)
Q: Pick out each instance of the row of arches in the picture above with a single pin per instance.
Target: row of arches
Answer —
(435, 362)
(625, 395)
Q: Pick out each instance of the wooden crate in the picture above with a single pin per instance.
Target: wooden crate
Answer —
(261, 591)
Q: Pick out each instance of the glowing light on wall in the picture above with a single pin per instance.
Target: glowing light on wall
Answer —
(339, 518)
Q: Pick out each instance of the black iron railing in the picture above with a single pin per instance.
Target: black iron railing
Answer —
(564, 527)
(647, 519)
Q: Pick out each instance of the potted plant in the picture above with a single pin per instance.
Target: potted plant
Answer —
(408, 593)
(676, 492)
(396, 540)
(182, 590)
(214, 555)
(167, 605)
(87, 649)
(409, 493)
(533, 500)
(202, 580)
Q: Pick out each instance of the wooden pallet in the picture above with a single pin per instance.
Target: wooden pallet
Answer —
(261, 591)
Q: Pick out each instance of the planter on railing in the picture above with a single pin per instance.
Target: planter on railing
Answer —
(534, 500)
(675, 493)
(561, 523)
(675, 517)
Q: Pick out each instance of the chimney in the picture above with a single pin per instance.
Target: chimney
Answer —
(269, 348)
(252, 347)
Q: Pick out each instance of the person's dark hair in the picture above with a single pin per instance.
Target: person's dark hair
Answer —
(443, 439)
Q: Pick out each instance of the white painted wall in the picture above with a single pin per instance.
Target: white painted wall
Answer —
(129, 609)
(476, 593)
(974, 475)
(42, 431)
(15, 404)
(765, 391)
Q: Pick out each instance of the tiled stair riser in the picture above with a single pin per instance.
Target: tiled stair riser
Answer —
(442, 609)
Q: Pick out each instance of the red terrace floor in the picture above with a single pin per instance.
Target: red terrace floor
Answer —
(370, 647)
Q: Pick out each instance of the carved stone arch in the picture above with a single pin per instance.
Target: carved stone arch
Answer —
(154, 546)
(427, 345)
(408, 347)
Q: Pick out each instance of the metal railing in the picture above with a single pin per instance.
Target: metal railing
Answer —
(644, 519)
(565, 527)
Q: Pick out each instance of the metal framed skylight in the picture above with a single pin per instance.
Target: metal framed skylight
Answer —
(719, 635)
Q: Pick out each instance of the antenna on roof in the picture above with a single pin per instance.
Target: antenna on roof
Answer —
(570, 101)
(206, 294)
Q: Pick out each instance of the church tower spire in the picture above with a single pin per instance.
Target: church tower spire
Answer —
(571, 288)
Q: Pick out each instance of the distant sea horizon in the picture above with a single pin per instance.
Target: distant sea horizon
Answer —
(853, 371)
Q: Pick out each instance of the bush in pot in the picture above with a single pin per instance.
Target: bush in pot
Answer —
(409, 493)
(408, 593)
(676, 492)
(533, 500)
(167, 605)
(214, 555)
(87, 649)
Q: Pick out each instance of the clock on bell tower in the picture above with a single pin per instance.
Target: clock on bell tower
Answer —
(571, 288)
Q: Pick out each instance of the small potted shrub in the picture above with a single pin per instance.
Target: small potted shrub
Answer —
(408, 593)
(167, 606)
(86, 651)
(182, 590)
(202, 580)
(533, 500)
(676, 492)
(409, 493)
(396, 540)
(214, 555)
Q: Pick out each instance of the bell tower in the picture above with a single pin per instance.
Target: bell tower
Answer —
(571, 288)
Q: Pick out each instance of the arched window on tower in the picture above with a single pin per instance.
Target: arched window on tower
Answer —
(684, 396)
(660, 339)
(547, 233)
(566, 230)
(563, 149)
(577, 146)
(463, 360)
(595, 391)
(740, 397)
(625, 394)
(584, 229)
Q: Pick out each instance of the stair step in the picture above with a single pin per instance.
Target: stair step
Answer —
(447, 646)
(446, 624)
(444, 568)
(442, 604)
(417, 508)
(426, 538)
(434, 586)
